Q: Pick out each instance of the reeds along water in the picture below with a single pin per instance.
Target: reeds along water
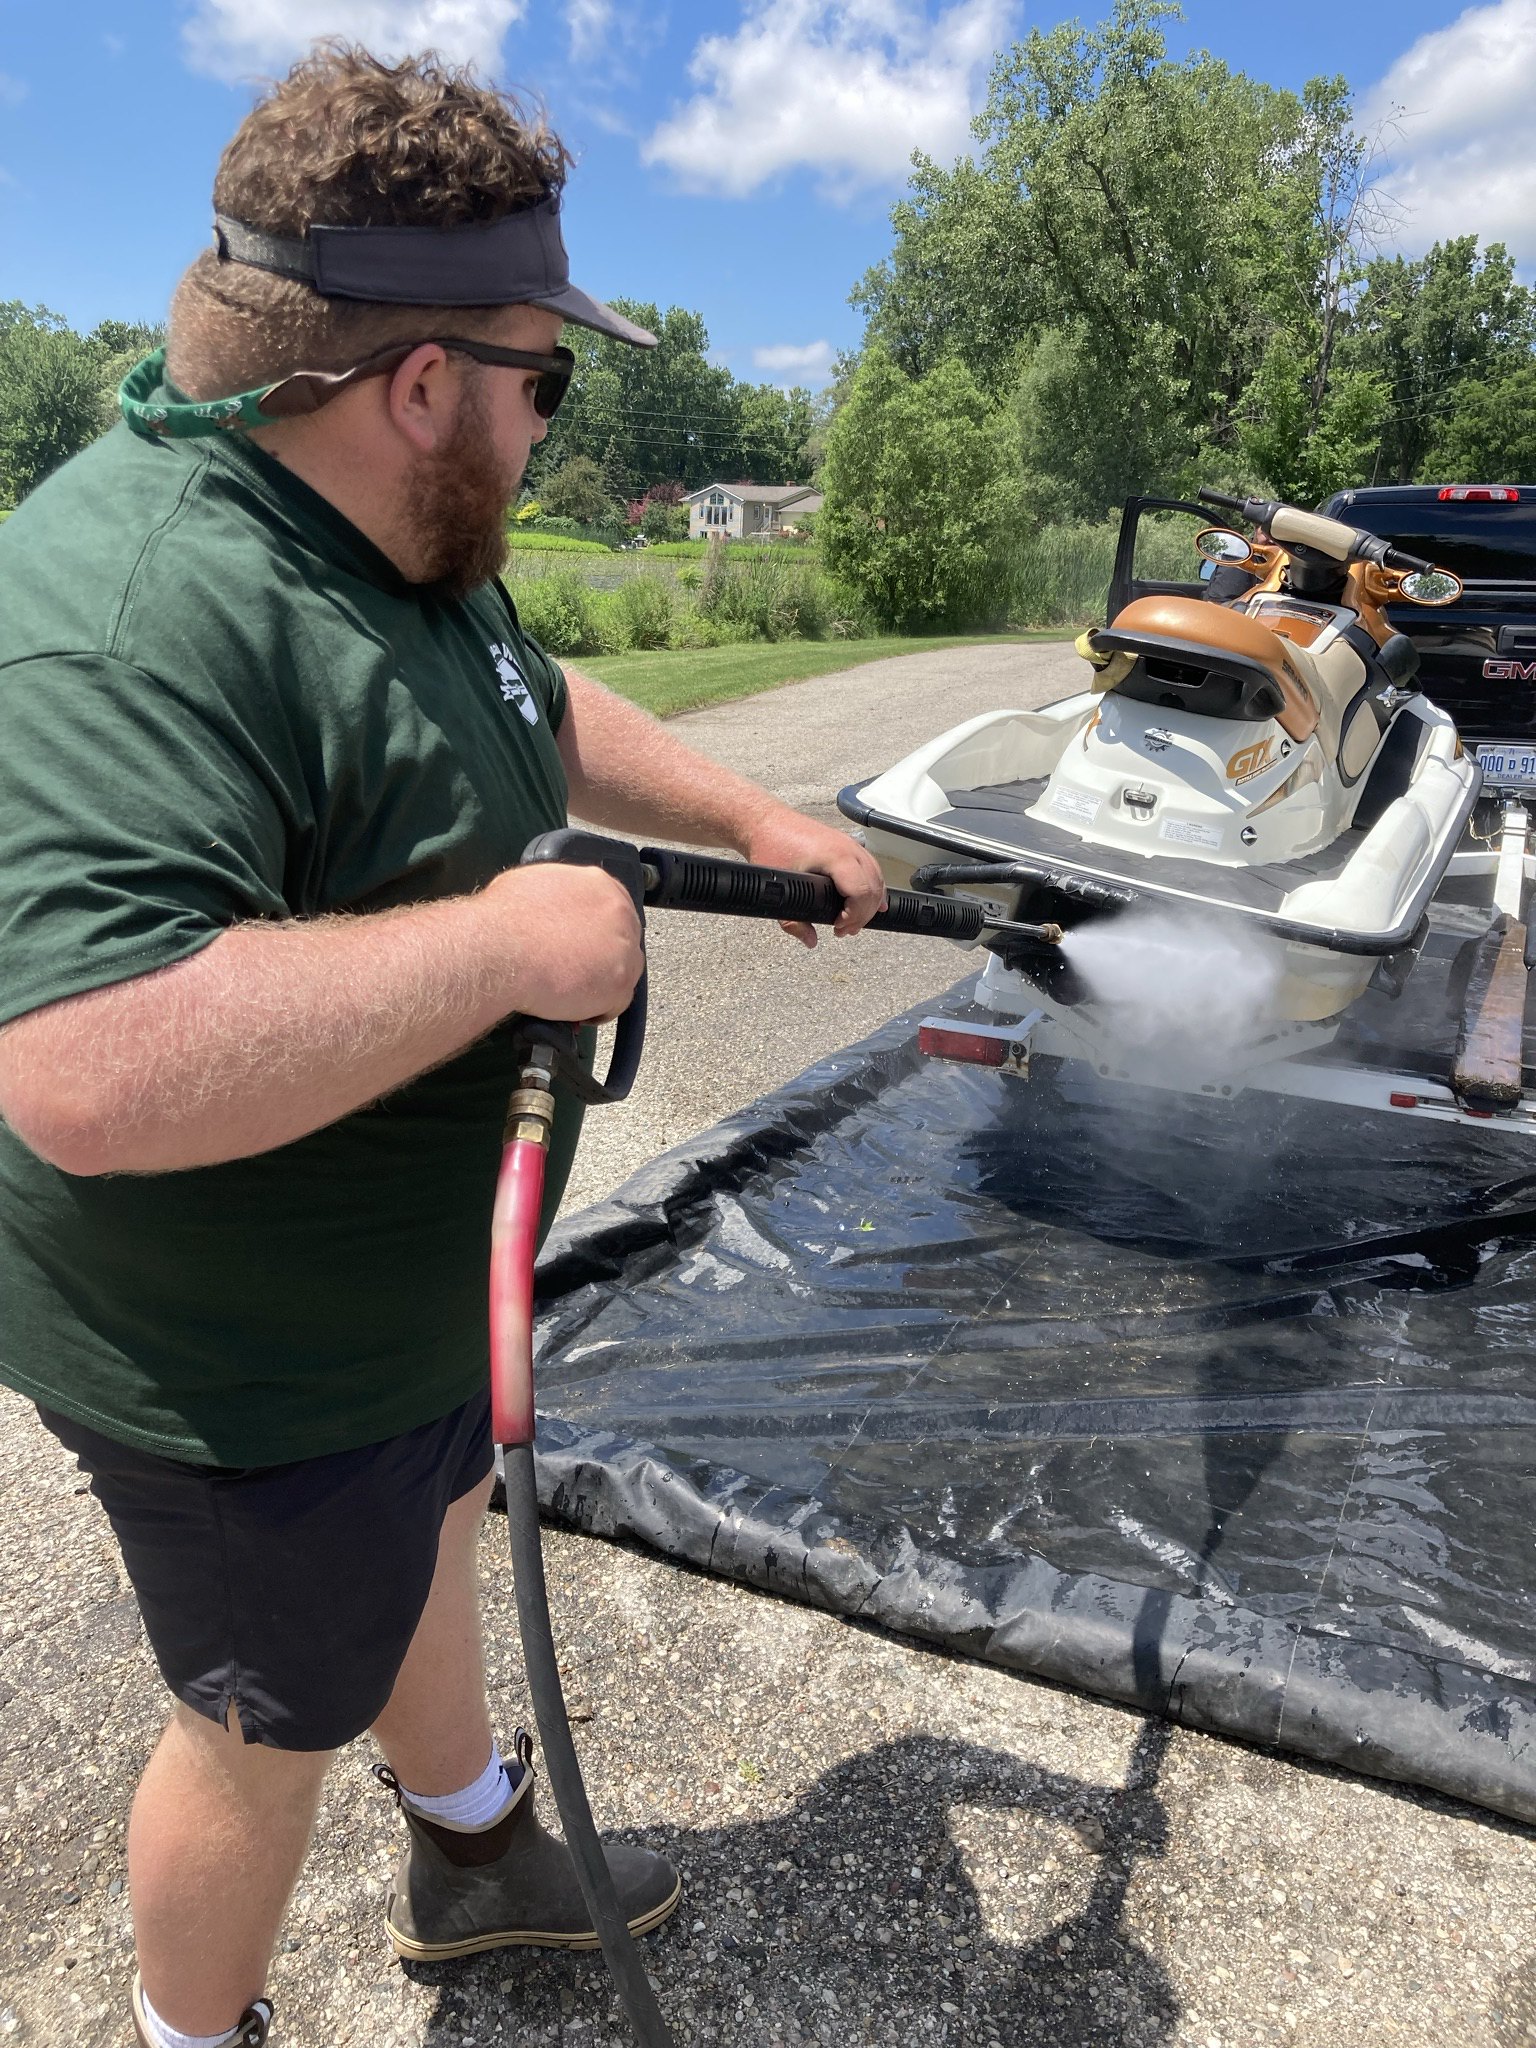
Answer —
(578, 603)
(1060, 577)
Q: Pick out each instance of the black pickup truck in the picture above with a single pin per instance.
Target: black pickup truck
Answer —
(1477, 657)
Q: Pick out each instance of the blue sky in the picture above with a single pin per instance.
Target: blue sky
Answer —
(735, 156)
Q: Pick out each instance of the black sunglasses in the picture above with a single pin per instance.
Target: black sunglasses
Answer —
(307, 390)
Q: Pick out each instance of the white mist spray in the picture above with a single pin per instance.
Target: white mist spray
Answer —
(1182, 992)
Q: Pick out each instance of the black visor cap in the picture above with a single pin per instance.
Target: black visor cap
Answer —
(519, 260)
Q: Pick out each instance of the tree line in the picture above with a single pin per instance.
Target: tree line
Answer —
(1149, 273)
(1152, 273)
(668, 415)
(642, 427)
(636, 422)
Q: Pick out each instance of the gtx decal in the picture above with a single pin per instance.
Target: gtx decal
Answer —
(1250, 761)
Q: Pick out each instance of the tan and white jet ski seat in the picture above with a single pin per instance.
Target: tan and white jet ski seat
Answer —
(1193, 656)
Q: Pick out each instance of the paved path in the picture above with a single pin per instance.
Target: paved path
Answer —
(736, 1007)
(883, 1845)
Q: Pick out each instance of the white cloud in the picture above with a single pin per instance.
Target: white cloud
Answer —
(12, 90)
(788, 363)
(608, 120)
(845, 88)
(233, 39)
(1460, 98)
(590, 24)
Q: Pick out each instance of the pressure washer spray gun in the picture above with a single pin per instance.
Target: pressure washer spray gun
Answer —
(657, 878)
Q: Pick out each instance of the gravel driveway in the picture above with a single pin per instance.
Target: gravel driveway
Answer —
(882, 1844)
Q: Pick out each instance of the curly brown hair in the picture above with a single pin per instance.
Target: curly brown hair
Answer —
(348, 140)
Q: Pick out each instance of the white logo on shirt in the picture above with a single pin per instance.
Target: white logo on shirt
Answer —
(513, 689)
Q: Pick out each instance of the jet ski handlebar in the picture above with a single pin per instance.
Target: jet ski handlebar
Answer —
(1292, 527)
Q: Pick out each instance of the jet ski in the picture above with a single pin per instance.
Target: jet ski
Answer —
(1267, 761)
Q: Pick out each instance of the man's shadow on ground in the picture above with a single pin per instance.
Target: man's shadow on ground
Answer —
(1083, 1981)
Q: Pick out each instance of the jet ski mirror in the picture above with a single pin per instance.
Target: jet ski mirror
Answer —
(1220, 544)
(1431, 586)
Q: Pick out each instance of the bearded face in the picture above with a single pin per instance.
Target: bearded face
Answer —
(459, 500)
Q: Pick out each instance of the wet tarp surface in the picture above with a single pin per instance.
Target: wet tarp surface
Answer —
(1228, 1410)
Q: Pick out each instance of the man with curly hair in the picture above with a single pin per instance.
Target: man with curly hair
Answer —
(273, 741)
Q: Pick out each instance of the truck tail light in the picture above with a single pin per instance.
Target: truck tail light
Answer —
(1479, 494)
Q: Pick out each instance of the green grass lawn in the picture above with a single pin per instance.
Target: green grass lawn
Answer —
(682, 680)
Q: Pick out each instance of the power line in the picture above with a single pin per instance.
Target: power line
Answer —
(640, 411)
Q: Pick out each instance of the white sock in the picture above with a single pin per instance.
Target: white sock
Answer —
(165, 2036)
(476, 1806)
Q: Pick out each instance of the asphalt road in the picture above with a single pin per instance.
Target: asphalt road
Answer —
(736, 1007)
(882, 1844)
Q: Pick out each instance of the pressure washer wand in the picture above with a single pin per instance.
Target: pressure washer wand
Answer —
(736, 888)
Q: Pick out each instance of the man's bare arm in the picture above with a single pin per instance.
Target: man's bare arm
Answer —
(274, 1030)
(626, 771)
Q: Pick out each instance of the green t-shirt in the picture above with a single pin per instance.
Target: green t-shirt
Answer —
(219, 701)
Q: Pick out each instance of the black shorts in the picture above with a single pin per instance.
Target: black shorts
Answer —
(292, 1591)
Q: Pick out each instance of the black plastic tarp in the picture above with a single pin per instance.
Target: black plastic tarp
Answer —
(1228, 1410)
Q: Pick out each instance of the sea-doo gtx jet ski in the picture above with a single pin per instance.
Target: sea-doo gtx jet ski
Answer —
(1267, 761)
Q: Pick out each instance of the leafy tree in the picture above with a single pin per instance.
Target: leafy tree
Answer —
(1309, 419)
(664, 520)
(1110, 257)
(1152, 260)
(1090, 440)
(668, 414)
(1490, 434)
(119, 344)
(575, 491)
(50, 396)
(962, 278)
(921, 493)
(615, 471)
(58, 389)
(1427, 326)
(1303, 449)
(774, 428)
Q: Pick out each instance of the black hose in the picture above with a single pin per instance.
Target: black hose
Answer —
(619, 1951)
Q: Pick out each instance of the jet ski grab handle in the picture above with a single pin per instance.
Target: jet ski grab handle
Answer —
(1292, 527)
(660, 878)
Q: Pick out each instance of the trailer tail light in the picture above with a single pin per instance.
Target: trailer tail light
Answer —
(1400, 1100)
(1479, 494)
(976, 1048)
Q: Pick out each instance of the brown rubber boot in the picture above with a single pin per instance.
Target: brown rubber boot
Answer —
(251, 2032)
(511, 1884)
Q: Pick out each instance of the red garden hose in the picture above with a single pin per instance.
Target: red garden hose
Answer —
(514, 1242)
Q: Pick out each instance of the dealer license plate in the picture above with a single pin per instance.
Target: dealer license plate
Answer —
(1510, 767)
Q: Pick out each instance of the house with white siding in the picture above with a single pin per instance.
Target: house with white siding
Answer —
(748, 511)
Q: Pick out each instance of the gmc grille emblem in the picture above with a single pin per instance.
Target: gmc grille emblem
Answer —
(1510, 671)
